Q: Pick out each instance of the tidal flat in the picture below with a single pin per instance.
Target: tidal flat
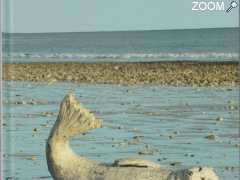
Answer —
(177, 127)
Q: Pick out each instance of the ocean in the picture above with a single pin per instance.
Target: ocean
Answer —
(220, 44)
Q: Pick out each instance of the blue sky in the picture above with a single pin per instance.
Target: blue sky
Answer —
(110, 15)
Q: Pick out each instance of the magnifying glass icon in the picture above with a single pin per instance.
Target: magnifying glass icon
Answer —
(233, 4)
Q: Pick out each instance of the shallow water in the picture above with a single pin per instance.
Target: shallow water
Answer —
(172, 122)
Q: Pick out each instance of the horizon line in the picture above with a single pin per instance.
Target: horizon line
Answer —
(105, 31)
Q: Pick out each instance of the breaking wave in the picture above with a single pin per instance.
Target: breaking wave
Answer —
(129, 56)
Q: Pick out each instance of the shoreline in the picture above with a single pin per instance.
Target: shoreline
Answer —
(183, 73)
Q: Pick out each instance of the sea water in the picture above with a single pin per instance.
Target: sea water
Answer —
(220, 44)
(173, 122)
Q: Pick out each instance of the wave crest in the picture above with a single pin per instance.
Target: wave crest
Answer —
(160, 56)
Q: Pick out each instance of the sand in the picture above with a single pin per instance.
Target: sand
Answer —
(153, 114)
(155, 73)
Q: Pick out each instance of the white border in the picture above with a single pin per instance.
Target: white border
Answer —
(1, 115)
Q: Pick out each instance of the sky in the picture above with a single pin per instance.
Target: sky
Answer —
(33, 16)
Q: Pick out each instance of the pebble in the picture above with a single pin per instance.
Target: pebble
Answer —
(231, 102)
(69, 78)
(171, 136)
(134, 141)
(20, 102)
(33, 102)
(33, 158)
(116, 67)
(120, 127)
(176, 132)
(131, 73)
(228, 168)
(219, 119)
(29, 115)
(51, 81)
(237, 145)
(47, 114)
(122, 144)
(211, 137)
(10, 178)
(45, 125)
(134, 130)
(175, 163)
(146, 152)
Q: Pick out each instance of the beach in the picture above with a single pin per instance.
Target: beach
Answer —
(131, 73)
(167, 96)
(176, 127)
(177, 114)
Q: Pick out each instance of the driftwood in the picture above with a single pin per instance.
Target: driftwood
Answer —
(64, 164)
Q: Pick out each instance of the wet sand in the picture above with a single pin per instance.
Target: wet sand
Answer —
(153, 73)
(176, 127)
